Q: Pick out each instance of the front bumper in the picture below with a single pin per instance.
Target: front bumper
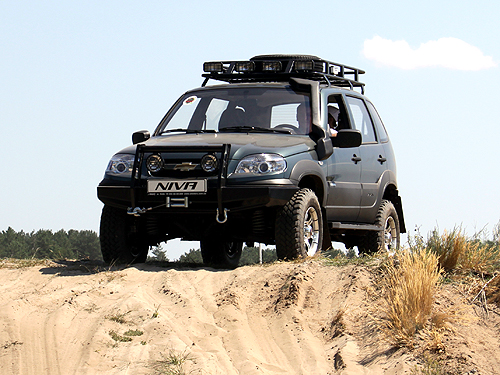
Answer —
(233, 198)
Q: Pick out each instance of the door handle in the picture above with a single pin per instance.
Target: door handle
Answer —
(381, 159)
(356, 159)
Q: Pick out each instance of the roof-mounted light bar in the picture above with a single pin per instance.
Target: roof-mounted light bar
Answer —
(273, 68)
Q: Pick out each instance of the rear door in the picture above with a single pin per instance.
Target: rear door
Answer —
(373, 159)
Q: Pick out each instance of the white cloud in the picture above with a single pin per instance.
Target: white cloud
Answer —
(451, 53)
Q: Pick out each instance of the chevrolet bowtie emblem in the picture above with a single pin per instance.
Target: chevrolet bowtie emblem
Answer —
(185, 167)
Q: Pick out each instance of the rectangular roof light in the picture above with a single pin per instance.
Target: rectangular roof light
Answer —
(244, 66)
(304, 65)
(271, 66)
(213, 67)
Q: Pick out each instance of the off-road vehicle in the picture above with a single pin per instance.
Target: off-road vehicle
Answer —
(284, 151)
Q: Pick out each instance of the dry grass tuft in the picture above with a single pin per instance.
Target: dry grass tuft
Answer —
(449, 247)
(173, 363)
(479, 257)
(430, 366)
(12, 263)
(493, 291)
(409, 287)
(458, 252)
(118, 317)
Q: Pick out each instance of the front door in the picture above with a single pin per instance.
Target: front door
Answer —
(344, 170)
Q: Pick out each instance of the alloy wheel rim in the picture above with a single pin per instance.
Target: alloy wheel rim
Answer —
(311, 231)
(390, 234)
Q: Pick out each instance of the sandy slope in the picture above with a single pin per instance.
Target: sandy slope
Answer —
(285, 318)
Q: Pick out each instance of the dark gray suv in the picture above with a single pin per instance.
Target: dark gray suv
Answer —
(284, 151)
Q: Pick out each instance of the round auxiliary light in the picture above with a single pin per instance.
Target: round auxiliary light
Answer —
(154, 163)
(209, 163)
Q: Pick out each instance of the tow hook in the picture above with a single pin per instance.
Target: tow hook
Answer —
(224, 218)
(138, 211)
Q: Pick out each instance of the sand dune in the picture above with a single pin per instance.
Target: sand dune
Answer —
(285, 318)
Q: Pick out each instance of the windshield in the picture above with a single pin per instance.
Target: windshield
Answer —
(257, 109)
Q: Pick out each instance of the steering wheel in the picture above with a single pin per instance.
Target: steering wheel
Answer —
(292, 129)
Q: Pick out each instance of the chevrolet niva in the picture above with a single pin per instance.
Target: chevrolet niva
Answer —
(283, 151)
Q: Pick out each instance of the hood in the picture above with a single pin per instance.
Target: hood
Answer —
(242, 144)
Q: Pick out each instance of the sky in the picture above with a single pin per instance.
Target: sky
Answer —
(77, 78)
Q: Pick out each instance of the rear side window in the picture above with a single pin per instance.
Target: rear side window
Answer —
(379, 125)
(361, 119)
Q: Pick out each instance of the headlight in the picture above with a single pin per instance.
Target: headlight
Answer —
(121, 164)
(261, 164)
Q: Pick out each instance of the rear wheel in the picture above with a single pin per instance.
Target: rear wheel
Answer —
(388, 238)
(221, 253)
(120, 238)
(299, 226)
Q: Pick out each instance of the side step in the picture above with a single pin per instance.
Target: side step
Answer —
(339, 225)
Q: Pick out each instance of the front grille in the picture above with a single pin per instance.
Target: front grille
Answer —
(181, 162)
(179, 166)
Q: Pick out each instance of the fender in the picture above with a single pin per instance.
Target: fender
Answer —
(387, 186)
(311, 168)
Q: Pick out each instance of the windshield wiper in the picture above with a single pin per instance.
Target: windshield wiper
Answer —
(257, 129)
(188, 131)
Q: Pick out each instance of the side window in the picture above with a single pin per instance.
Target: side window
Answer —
(361, 118)
(337, 113)
(382, 133)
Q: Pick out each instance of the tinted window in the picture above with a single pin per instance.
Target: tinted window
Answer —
(213, 110)
(361, 119)
(382, 133)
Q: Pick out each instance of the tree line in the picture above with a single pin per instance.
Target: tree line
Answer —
(46, 244)
(84, 244)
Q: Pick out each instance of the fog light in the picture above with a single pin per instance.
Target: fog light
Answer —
(154, 163)
(209, 163)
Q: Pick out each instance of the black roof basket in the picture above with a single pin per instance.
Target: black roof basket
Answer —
(279, 68)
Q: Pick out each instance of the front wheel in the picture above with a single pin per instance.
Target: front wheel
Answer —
(221, 253)
(299, 226)
(388, 238)
(120, 238)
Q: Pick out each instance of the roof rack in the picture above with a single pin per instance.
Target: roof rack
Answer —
(279, 68)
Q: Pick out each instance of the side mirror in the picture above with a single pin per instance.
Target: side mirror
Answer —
(324, 148)
(347, 138)
(140, 136)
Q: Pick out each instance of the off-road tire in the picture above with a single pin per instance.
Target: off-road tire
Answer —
(292, 228)
(387, 239)
(218, 253)
(119, 243)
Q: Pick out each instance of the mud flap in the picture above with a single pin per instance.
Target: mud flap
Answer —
(327, 240)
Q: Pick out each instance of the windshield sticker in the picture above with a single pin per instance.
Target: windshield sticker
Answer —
(190, 100)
